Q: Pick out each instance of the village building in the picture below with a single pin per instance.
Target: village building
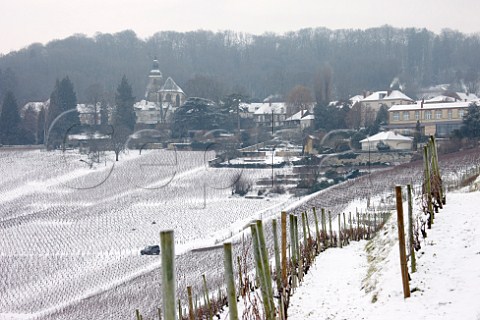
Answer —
(389, 98)
(269, 114)
(435, 118)
(161, 100)
(302, 119)
(386, 140)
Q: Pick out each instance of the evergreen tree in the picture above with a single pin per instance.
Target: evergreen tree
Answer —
(123, 118)
(330, 117)
(103, 116)
(196, 114)
(471, 122)
(28, 131)
(231, 109)
(9, 120)
(124, 115)
(63, 104)
(41, 126)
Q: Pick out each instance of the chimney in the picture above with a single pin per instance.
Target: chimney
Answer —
(421, 104)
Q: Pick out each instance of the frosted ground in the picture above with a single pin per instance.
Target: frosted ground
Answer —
(70, 239)
(70, 233)
(344, 282)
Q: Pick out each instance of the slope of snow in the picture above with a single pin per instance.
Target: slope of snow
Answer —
(343, 283)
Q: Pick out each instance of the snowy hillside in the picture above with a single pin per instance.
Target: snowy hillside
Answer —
(353, 283)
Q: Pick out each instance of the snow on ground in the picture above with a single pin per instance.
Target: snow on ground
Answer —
(343, 283)
(70, 232)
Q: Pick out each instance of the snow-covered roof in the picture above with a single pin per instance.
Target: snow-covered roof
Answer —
(397, 95)
(466, 97)
(386, 135)
(267, 108)
(300, 115)
(308, 117)
(146, 106)
(376, 96)
(356, 98)
(386, 95)
(440, 98)
(249, 107)
(88, 136)
(171, 86)
(430, 106)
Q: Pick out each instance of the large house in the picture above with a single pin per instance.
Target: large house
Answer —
(385, 98)
(436, 118)
(269, 114)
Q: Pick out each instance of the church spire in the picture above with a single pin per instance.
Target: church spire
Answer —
(155, 82)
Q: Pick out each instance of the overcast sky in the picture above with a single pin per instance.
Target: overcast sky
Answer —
(23, 22)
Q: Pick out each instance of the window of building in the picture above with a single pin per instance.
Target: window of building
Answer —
(438, 114)
(406, 115)
(428, 115)
(396, 116)
(461, 113)
(417, 115)
(450, 114)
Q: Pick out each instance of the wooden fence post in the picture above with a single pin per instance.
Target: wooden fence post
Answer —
(284, 248)
(437, 170)
(263, 272)
(359, 237)
(231, 295)
(207, 298)
(304, 228)
(297, 247)
(428, 185)
(191, 312)
(324, 229)
(340, 230)
(410, 229)
(278, 268)
(293, 242)
(330, 226)
(401, 242)
(168, 274)
(316, 226)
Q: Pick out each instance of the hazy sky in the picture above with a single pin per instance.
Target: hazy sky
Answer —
(23, 22)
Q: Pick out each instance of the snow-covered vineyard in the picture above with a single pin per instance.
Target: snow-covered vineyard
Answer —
(71, 236)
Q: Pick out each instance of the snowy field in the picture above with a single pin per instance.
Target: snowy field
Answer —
(344, 282)
(70, 236)
(69, 232)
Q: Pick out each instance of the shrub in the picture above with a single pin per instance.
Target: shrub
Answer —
(240, 185)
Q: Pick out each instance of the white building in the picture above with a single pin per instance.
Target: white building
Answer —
(269, 114)
(386, 98)
(394, 140)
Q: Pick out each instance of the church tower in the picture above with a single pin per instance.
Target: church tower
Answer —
(155, 82)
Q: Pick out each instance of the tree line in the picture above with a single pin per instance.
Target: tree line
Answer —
(212, 65)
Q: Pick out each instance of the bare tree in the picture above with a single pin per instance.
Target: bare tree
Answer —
(299, 98)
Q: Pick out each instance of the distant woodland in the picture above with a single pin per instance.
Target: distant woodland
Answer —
(213, 65)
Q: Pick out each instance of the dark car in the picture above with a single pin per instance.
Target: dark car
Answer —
(150, 250)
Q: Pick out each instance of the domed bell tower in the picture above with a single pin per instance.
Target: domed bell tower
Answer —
(155, 82)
